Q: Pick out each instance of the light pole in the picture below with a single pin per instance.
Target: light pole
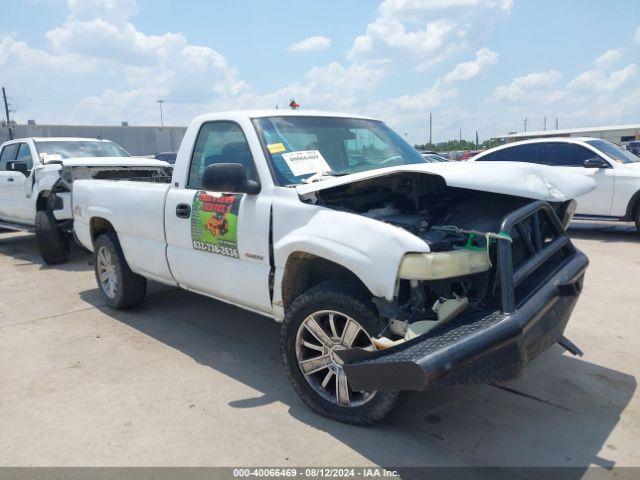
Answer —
(160, 102)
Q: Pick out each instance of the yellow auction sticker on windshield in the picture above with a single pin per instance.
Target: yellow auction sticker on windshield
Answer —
(276, 148)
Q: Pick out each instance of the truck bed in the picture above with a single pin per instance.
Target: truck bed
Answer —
(135, 209)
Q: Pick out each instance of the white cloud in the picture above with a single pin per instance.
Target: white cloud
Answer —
(17, 55)
(425, 32)
(597, 80)
(392, 34)
(471, 69)
(608, 58)
(311, 44)
(522, 88)
(406, 8)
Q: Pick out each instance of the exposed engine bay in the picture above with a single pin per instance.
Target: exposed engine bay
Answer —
(461, 227)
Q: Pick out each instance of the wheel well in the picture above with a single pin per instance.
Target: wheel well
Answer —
(98, 226)
(42, 203)
(303, 271)
(633, 204)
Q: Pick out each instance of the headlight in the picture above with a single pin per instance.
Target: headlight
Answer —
(435, 266)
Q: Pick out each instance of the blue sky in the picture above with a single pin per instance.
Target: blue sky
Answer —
(476, 64)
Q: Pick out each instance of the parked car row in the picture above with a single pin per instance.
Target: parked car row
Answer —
(388, 271)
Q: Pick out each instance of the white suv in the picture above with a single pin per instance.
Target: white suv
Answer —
(615, 171)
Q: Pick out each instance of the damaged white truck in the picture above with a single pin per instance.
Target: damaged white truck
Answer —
(388, 273)
(36, 175)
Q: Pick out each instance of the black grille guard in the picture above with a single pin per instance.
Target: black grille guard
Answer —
(487, 346)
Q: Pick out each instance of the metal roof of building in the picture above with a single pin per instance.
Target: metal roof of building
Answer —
(568, 131)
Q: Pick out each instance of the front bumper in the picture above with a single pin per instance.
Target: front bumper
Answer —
(479, 346)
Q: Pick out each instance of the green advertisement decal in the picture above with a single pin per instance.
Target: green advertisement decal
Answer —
(214, 223)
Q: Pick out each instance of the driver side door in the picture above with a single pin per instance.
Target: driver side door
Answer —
(218, 243)
(21, 186)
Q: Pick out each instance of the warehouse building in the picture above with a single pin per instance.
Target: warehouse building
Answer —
(136, 140)
(620, 134)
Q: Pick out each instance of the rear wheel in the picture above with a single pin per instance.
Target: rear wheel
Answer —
(324, 320)
(120, 287)
(636, 218)
(53, 246)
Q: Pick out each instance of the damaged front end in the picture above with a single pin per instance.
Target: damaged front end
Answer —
(496, 289)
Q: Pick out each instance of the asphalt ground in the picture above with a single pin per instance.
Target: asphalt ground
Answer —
(184, 380)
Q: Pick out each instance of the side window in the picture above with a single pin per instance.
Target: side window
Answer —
(219, 142)
(8, 154)
(491, 157)
(565, 154)
(24, 155)
(519, 153)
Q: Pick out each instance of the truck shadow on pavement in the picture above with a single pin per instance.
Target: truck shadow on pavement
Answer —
(606, 232)
(23, 247)
(560, 413)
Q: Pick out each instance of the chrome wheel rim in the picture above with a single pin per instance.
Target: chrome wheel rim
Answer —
(106, 273)
(319, 337)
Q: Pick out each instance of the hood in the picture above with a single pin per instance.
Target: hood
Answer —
(112, 162)
(632, 167)
(526, 180)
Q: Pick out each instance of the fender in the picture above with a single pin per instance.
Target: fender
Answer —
(371, 249)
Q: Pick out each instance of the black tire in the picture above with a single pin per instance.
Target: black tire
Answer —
(52, 242)
(636, 217)
(130, 288)
(352, 302)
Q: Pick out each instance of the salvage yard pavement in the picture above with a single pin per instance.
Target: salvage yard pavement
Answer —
(188, 381)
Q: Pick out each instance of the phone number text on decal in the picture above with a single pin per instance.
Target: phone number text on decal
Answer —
(211, 248)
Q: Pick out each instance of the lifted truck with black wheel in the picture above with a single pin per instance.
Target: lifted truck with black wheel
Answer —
(388, 273)
(36, 175)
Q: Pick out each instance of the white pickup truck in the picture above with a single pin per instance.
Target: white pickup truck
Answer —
(388, 273)
(35, 183)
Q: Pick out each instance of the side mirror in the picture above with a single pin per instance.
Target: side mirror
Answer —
(229, 178)
(21, 167)
(595, 163)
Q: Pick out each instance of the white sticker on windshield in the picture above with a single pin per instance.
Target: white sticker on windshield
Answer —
(305, 162)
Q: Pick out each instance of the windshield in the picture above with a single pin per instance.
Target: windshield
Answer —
(80, 148)
(614, 151)
(299, 147)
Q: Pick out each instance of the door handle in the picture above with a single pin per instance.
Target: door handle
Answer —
(10, 179)
(183, 210)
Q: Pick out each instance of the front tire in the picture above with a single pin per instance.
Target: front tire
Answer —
(329, 317)
(120, 287)
(53, 246)
(636, 218)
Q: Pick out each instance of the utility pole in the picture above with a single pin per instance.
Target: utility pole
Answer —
(430, 138)
(6, 111)
(545, 123)
(525, 124)
(556, 123)
(460, 134)
(476, 139)
(160, 102)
